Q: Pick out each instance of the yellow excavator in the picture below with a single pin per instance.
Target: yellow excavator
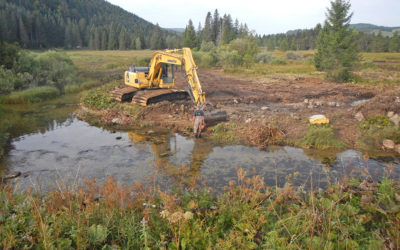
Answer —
(147, 85)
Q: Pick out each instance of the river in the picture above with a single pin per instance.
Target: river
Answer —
(53, 149)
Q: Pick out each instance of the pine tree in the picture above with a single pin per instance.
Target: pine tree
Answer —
(207, 30)
(157, 40)
(283, 46)
(189, 36)
(122, 44)
(394, 44)
(215, 27)
(112, 37)
(336, 46)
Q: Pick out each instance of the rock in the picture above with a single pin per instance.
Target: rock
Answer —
(116, 121)
(118, 137)
(170, 116)
(305, 100)
(318, 103)
(248, 120)
(331, 104)
(251, 102)
(395, 119)
(235, 101)
(397, 148)
(183, 108)
(264, 108)
(388, 144)
(150, 132)
(359, 116)
(390, 114)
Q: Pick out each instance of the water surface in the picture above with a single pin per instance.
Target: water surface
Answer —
(54, 149)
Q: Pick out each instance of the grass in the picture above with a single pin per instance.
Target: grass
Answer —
(354, 213)
(224, 133)
(99, 98)
(376, 129)
(320, 137)
(37, 94)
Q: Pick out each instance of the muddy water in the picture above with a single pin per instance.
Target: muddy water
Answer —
(52, 149)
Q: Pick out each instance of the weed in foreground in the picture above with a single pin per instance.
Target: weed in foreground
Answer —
(377, 128)
(355, 213)
(321, 137)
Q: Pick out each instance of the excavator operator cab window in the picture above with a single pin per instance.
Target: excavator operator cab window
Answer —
(164, 74)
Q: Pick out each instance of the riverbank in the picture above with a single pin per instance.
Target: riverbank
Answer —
(355, 213)
(270, 112)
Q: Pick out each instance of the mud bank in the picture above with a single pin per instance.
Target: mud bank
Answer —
(279, 106)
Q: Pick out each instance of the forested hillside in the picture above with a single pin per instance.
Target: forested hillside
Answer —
(94, 24)
(306, 39)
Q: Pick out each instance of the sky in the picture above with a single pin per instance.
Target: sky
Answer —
(262, 16)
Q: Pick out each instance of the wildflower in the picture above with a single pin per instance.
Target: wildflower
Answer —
(175, 217)
(164, 214)
(188, 215)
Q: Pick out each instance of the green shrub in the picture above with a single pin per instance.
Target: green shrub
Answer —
(56, 69)
(321, 137)
(98, 99)
(208, 47)
(263, 57)
(293, 56)
(377, 128)
(32, 95)
(205, 59)
(223, 133)
(3, 133)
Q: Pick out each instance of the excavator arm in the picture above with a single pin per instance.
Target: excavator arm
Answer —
(173, 57)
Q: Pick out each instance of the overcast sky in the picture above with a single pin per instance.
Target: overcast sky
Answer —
(263, 16)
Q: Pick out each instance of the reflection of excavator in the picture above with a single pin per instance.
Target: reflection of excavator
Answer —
(152, 84)
(162, 150)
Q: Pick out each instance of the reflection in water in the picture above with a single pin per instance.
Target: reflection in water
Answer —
(56, 149)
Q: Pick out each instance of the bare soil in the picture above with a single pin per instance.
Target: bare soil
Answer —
(286, 101)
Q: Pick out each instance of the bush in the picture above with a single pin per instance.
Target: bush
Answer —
(31, 95)
(263, 57)
(56, 69)
(98, 99)
(321, 137)
(377, 128)
(3, 133)
(293, 56)
(208, 47)
(7, 80)
(223, 133)
(205, 59)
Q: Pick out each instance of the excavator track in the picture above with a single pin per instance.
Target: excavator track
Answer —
(123, 94)
(146, 97)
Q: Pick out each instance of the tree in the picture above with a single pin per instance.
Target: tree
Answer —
(394, 44)
(207, 30)
(283, 46)
(157, 40)
(336, 46)
(189, 36)
(215, 27)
